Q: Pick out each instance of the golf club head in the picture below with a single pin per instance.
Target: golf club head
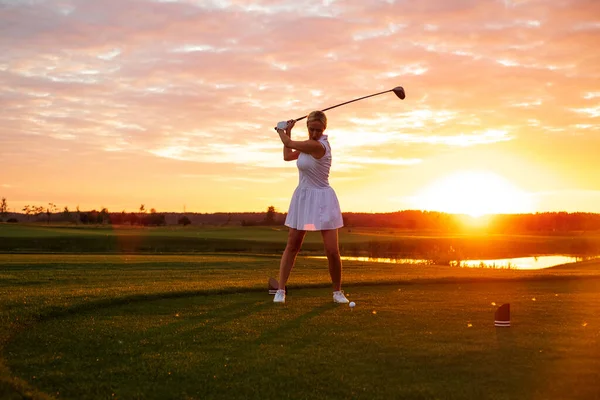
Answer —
(399, 91)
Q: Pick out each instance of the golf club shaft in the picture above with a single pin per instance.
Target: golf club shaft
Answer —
(351, 101)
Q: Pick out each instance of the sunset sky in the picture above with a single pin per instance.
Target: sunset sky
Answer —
(172, 103)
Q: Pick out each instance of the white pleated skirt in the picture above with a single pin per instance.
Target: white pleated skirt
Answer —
(314, 209)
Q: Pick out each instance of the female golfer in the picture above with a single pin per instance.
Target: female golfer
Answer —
(314, 205)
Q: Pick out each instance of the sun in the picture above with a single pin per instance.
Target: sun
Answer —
(473, 193)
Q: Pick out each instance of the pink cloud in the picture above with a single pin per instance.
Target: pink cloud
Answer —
(144, 77)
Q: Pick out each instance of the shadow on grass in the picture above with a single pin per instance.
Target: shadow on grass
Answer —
(294, 324)
(58, 312)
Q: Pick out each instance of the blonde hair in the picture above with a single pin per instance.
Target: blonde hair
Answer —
(317, 116)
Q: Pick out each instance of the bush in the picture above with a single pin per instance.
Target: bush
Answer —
(12, 220)
(184, 221)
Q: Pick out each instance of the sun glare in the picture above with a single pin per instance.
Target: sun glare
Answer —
(473, 193)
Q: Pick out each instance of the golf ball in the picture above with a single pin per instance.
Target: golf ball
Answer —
(352, 304)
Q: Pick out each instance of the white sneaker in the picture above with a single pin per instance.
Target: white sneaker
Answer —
(279, 296)
(338, 297)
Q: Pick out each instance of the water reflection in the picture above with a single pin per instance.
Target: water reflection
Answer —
(524, 263)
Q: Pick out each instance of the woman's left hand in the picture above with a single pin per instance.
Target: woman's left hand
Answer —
(288, 128)
(286, 135)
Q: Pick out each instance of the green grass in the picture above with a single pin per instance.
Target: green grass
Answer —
(18, 238)
(264, 233)
(38, 230)
(198, 327)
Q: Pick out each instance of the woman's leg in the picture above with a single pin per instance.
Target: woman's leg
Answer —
(332, 251)
(294, 243)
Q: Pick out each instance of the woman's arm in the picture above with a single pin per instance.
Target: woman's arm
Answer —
(312, 147)
(288, 153)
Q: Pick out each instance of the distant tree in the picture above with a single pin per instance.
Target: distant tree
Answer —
(154, 219)
(133, 219)
(270, 217)
(27, 211)
(3, 208)
(91, 217)
(142, 209)
(67, 214)
(103, 216)
(153, 211)
(38, 210)
(117, 218)
(185, 221)
(78, 212)
(52, 208)
(123, 217)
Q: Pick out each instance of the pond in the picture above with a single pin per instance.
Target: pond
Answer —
(525, 263)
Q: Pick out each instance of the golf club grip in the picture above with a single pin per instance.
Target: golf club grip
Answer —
(348, 102)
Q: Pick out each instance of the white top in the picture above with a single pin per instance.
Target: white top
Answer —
(314, 205)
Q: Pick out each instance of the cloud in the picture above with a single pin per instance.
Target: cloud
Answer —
(205, 81)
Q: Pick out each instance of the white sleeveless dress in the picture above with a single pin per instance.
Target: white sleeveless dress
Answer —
(314, 205)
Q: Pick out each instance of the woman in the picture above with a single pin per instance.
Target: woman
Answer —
(314, 205)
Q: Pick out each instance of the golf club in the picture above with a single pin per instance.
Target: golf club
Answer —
(398, 91)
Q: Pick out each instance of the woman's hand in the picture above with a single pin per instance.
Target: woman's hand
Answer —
(288, 128)
(286, 135)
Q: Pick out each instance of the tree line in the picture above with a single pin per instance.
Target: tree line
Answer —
(498, 223)
(407, 219)
(51, 213)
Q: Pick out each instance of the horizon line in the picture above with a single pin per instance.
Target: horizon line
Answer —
(343, 212)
